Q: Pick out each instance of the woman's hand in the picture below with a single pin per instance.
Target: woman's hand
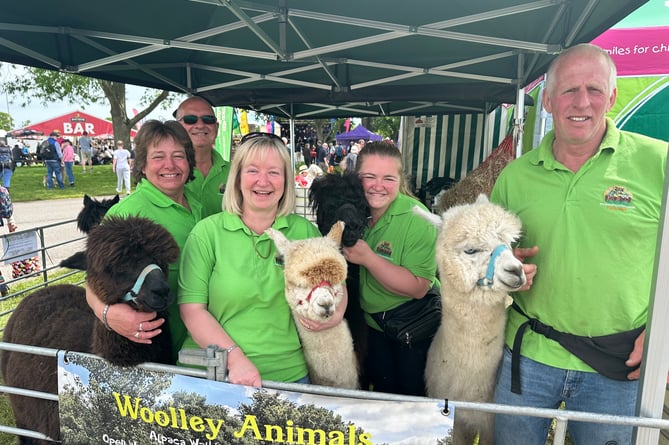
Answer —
(240, 369)
(334, 320)
(139, 327)
(357, 253)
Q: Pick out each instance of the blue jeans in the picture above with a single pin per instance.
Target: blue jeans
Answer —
(51, 168)
(7, 173)
(68, 170)
(544, 386)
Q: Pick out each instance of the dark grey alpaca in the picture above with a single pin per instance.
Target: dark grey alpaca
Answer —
(90, 216)
(58, 316)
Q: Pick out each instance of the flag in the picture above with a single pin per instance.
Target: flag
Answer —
(235, 121)
(244, 123)
(134, 113)
(224, 136)
(347, 124)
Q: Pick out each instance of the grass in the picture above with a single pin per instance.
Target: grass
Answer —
(27, 184)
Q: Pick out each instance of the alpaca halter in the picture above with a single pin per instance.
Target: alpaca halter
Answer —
(131, 295)
(319, 285)
(490, 273)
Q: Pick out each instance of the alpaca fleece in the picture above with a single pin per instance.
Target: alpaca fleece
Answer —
(58, 316)
(314, 270)
(90, 216)
(333, 198)
(465, 353)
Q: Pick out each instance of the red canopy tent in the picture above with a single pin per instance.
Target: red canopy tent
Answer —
(74, 124)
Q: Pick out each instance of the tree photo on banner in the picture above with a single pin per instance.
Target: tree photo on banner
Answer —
(100, 403)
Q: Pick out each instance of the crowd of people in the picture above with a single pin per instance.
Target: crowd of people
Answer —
(580, 194)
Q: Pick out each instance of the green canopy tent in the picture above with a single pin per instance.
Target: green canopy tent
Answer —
(306, 58)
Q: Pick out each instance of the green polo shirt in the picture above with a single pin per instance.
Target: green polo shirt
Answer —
(596, 230)
(405, 239)
(236, 274)
(208, 190)
(149, 202)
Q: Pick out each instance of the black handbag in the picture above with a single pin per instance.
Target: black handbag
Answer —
(413, 322)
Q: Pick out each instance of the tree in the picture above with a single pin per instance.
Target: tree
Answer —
(6, 121)
(45, 85)
(386, 126)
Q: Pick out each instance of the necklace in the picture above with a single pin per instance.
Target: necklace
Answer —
(254, 240)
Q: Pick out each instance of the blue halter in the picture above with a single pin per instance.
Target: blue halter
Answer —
(490, 273)
(131, 295)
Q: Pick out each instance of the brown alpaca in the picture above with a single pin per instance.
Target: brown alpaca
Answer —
(58, 316)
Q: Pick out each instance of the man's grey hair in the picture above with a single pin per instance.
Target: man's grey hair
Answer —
(582, 48)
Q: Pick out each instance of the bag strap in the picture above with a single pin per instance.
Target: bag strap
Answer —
(538, 327)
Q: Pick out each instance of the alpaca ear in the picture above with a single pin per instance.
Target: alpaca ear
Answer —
(482, 199)
(336, 232)
(279, 239)
(433, 219)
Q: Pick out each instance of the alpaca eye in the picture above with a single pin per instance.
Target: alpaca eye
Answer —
(472, 251)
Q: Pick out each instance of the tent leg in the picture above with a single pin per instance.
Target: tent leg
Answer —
(519, 111)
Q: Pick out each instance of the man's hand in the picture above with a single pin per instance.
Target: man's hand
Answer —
(634, 359)
(530, 269)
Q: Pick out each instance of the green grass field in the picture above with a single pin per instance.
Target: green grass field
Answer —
(27, 184)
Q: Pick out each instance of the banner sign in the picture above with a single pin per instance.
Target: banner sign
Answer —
(100, 403)
(19, 246)
(637, 51)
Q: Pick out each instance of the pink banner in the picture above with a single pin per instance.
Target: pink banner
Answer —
(637, 51)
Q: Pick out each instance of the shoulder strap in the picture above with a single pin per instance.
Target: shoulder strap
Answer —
(537, 327)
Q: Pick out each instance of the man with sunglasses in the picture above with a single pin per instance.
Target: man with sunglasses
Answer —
(196, 115)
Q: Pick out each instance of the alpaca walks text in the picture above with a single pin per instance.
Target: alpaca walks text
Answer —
(178, 419)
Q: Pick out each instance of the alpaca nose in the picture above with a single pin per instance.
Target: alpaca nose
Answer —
(327, 309)
(518, 273)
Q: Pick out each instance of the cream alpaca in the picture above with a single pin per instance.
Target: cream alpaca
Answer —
(465, 353)
(314, 271)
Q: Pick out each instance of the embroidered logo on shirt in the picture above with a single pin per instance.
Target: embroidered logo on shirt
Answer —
(618, 198)
(384, 248)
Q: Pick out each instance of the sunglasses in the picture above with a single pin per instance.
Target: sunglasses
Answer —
(191, 119)
(259, 134)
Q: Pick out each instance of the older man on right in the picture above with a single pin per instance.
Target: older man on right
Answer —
(590, 199)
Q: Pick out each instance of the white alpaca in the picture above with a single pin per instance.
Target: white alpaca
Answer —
(314, 270)
(477, 269)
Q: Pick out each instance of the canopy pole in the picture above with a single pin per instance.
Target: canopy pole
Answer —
(519, 111)
(653, 382)
(293, 142)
